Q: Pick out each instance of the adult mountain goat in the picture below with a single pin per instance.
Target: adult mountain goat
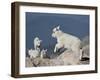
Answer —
(65, 40)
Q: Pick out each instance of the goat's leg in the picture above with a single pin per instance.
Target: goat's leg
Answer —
(55, 50)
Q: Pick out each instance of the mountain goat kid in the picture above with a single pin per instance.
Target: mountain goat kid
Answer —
(70, 42)
(33, 53)
(37, 43)
(43, 53)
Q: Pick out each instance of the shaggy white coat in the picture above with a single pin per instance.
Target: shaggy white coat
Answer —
(33, 53)
(72, 43)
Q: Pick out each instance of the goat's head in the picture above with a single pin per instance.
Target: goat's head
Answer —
(37, 41)
(44, 51)
(56, 32)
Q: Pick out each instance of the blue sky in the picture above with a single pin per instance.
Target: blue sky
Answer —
(41, 25)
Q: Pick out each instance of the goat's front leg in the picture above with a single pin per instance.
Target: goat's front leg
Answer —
(55, 49)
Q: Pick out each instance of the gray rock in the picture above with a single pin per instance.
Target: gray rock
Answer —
(86, 52)
(65, 58)
(28, 62)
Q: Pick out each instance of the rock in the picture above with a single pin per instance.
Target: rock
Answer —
(86, 52)
(68, 58)
(65, 58)
(46, 62)
(85, 41)
(29, 62)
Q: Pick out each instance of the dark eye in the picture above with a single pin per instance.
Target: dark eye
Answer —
(57, 29)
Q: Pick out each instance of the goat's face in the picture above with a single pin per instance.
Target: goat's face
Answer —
(37, 41)
(44, 51)
(56, 31)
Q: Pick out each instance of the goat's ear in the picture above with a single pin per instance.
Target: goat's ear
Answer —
(58, 27)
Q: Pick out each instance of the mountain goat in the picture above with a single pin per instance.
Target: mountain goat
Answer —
(43, 53)
(37, 43)
(33, 53)
(72, 43)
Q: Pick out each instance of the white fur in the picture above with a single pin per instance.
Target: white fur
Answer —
(36, 52)
(33, 53)
(37, 43)
(43, 53)
(58, 46)
(68, 41)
